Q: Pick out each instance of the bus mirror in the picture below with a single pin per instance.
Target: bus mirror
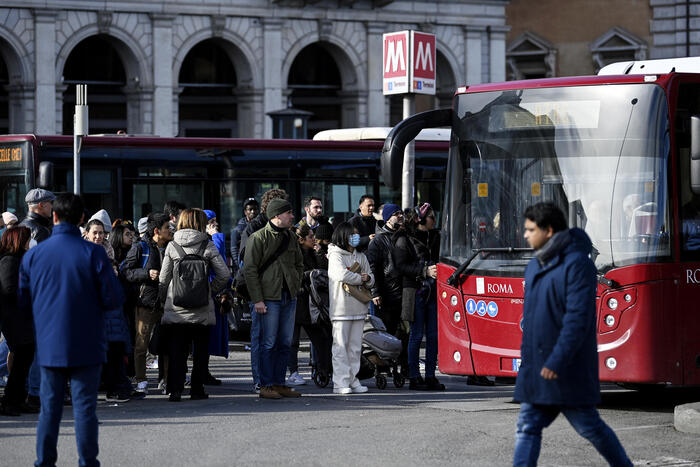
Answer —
(695, 154)
(404, 133)
(45, 179)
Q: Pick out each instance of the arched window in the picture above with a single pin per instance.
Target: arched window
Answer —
(95, 62)
(315, 85)
(207, 104)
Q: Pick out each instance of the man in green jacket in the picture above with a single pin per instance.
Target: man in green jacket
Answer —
(273, 267)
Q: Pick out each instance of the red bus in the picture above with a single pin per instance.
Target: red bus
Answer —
(620, 154)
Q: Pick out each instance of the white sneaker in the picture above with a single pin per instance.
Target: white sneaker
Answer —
(152, 364)
(162, 387)
(295, 379)
(342, 391)
(359, 389)
(142, 387)
(256, 388)
(188, 381)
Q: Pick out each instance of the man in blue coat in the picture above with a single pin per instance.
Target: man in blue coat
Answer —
(559, 369)
(68, 284)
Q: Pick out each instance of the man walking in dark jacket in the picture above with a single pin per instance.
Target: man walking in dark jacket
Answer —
(559, 369)
(39, 202)
(364, 222)
(68, 284)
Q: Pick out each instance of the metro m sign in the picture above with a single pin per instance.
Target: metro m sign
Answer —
(409, 63)
(396, 63)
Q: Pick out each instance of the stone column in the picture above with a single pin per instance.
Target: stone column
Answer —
(45, 67)
(59, 93)
(272, 72)
(20, 111)
(176, 109)
(250, 105)
(376, 112)
(163, 113)
(473, 53)
(139, 108)
(497, 55)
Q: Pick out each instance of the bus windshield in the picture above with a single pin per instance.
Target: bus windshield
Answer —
(599, 152)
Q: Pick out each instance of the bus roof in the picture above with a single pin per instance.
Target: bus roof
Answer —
(646, 67)
(378, 134)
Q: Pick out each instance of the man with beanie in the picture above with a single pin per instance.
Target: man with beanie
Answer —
(388, 282)
(273, 266)
(364, 222)
(39, 203)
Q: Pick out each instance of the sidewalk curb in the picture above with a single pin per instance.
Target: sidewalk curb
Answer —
(686, 418)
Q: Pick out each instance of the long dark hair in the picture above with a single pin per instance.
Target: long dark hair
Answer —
(341, 235)
(116, 239)
(14, 239)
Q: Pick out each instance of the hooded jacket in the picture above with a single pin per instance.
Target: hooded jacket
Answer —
(342, 304)
(190, 241)
(559, 324)
(388, 282)
(17, 325)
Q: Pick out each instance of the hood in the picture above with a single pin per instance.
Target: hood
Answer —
(103, 217)
(566, 241)
(189, 237)
(333, 248)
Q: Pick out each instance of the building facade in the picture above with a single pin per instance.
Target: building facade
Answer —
(216, 68)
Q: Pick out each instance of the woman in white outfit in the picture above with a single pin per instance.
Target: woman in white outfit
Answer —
(347, 312)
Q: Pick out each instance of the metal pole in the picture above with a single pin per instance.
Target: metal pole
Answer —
(408, 175)
(80, 129)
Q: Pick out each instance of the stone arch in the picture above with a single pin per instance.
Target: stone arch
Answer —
(446, 56)
(235, 46)
(20, 75)
(345, 56)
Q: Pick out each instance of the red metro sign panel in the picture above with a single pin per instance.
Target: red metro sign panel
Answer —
(409, 63)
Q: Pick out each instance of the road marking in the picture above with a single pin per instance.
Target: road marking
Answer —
(644, 427)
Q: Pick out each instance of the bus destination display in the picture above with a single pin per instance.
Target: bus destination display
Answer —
(12, 155)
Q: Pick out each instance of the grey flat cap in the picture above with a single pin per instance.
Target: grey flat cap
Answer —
(39, 195)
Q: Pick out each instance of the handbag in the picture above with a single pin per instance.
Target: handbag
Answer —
(360, 292)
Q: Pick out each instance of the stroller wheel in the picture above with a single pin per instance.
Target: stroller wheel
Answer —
(399, 380)
(321, 379)
(381, 381)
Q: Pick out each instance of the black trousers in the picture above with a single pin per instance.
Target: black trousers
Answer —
(182, 338)
(321, 347)
(391, 316)
(114, 370)
(16, 389)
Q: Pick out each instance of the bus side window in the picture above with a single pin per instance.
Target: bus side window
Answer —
(688, 104)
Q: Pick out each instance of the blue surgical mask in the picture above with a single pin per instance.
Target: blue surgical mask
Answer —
(354, 240)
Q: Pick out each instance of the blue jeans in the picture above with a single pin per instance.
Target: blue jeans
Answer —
(277, 327)
(4, 350)
(585, 420)
(84, 384)
(255, 338)
(424, 318)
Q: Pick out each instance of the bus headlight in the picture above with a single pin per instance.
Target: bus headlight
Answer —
(457, 317)
(457, 356)
(611, 363)
(610, 320)
(453, 300)
(612, 303)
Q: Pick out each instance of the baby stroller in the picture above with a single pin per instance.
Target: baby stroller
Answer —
(380, 354)
(317, 287)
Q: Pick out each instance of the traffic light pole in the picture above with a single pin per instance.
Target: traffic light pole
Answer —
(409, 161)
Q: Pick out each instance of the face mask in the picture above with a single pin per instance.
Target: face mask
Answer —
(354, 240)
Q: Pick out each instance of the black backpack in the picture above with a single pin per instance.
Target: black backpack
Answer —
(190, 278)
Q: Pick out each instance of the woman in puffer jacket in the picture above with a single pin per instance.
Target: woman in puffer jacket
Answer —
(347, 312)
(189, 326)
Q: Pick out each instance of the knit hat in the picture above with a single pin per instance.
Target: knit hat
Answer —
(142, 225)
(423, 210)
(210, 214)
(324, 231)
(249, 202)
(8, 217)
(389, 210)
(103, 217)
(277, 206)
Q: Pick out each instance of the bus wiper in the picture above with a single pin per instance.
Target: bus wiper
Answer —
(609, 283)
(452, 280)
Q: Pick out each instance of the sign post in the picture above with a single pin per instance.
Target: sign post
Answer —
(409, 69)
(80, 129)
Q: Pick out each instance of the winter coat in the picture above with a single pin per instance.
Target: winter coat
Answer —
(559, 325)
(258, 222)
(287, 269)
(68, 284)
(365, 226)
(341, 302)
(218, 334)
(190, 241)
(302, 311)
(236, 234)
(17, 325)
(116, 328)
(388, 282)
(410, 262)
(40, 226)
(133, 273)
